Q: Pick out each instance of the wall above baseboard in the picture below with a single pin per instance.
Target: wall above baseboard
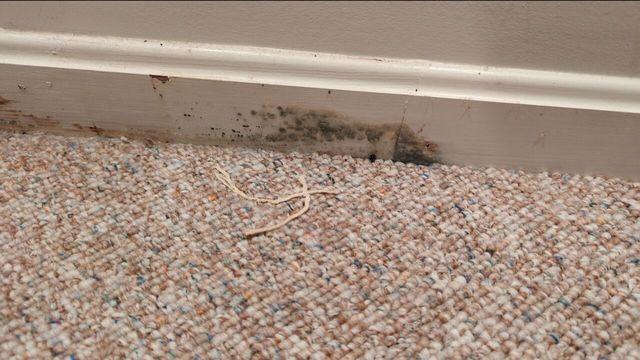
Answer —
(594, 37)
(407, 110)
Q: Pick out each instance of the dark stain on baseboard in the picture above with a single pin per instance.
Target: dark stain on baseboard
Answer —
(297, 125)
(18, 120)
(413, 148)
(162, 78)
(41, 121)
(282, 127)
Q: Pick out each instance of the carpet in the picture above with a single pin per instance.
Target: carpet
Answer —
(114, 248)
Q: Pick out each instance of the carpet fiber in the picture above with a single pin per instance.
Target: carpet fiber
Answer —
(117, 248)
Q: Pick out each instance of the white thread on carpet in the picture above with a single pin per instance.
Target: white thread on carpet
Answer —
(225, 178)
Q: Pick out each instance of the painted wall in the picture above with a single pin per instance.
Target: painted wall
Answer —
(584, 37)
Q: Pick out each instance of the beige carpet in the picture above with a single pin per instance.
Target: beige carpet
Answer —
(112, 248)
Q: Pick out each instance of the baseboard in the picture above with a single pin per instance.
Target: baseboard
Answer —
(399, 109)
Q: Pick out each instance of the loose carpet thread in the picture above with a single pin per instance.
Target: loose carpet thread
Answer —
(225, 178)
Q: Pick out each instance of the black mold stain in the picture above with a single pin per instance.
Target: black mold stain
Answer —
(374, 135)
(316, 125)
(413, 148)
(296, 124)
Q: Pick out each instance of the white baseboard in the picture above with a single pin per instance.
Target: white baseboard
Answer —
(394, 108)
(320, 70)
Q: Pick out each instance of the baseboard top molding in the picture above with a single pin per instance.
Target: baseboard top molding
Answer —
(320, 70)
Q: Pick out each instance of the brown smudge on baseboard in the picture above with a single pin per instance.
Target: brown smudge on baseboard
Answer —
(11, 113)
(147, 136)
(162, 78)
(18, 119)
(96, 130)
(44, 122)
(4, 101)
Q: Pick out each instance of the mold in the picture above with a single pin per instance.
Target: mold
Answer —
(162, 78)
(284, 128)
(300, 124)
(373, 135)
(297, 126)
(414, 149)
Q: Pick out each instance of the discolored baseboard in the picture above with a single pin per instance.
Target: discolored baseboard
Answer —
(296, 101)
